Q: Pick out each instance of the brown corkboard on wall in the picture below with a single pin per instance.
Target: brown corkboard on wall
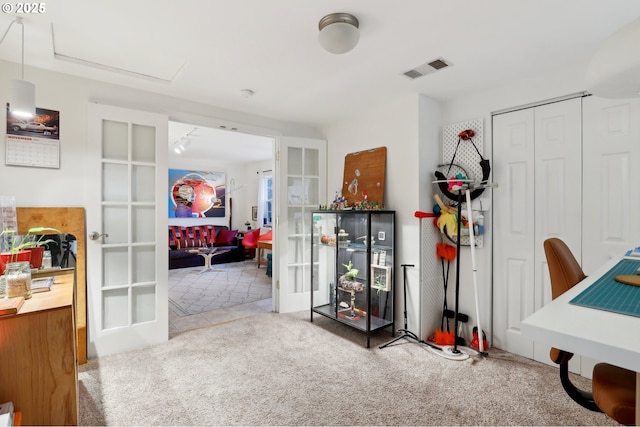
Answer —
(364, 173)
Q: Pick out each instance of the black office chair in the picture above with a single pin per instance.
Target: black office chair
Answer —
(613, 389)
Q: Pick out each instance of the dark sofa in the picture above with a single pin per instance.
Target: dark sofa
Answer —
(184, 238)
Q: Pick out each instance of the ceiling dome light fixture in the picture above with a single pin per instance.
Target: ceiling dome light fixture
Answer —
(339, 32)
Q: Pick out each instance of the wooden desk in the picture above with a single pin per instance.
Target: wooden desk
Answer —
(38, 357)
(67, 220)
(262, 245)
(599, 334)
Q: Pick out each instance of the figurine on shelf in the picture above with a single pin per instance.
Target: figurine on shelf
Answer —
(353, 305)
(339, 203)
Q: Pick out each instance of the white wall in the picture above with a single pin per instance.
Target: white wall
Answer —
(71, 95)
(398, 126)
(252, 179)
(480, 105)
(410, 128)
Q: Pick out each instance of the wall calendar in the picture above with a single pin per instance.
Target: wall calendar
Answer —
(34, 142)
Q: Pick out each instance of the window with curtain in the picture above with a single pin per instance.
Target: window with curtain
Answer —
(267, 216)
(265, 200)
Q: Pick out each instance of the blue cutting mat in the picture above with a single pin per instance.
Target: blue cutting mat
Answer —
(609, 295)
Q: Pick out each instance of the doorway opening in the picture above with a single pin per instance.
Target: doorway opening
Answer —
(236, 163)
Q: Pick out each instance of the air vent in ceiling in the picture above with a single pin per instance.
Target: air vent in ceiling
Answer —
(438, 64)
(427, 68)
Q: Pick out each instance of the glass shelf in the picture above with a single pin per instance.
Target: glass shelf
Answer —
(370, 308)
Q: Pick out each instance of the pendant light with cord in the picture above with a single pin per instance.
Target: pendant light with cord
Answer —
(22, 96)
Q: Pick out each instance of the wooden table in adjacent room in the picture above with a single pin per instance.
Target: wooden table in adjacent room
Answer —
(263, 245)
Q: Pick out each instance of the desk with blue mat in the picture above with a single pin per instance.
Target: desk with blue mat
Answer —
(590, 321)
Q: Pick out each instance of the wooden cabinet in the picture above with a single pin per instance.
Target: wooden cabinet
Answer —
(38, 357)
(67, 220)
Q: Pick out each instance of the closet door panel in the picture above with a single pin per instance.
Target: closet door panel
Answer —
(611, 176)
(513, 224)
(558, 191)
(611, 151)
(537, 164)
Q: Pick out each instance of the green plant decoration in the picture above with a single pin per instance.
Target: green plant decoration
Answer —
(351, 273)
(33, 238)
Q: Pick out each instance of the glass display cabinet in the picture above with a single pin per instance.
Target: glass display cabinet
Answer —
(353, 259)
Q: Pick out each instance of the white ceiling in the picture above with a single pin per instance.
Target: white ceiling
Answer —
(209, 50)
(224, 146)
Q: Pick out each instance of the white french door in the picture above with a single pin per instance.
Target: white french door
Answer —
(127, 222)
(301, 183)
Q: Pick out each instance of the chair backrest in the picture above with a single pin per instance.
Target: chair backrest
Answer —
(564, 270)
(250, 239)
(266, 236)
(565, 273)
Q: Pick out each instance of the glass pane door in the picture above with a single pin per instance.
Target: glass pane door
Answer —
(303, 189)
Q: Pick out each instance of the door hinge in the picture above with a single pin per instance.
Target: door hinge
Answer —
(278, 155)
(277, 284)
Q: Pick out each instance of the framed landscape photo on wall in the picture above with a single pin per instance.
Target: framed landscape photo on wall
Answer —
(196, 194)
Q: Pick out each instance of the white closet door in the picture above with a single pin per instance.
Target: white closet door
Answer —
(537, 163)
(611, 177)
(558, 191)
(610, 173)
(513, 225)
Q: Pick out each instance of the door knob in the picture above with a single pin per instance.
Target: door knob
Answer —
(94, 235)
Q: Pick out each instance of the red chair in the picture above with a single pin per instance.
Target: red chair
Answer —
(250, 240)
(266, 236)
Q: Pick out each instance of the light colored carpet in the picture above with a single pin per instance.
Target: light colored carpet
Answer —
(192, 291)
(281, 369)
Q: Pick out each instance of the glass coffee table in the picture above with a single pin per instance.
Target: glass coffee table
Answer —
(207, 254)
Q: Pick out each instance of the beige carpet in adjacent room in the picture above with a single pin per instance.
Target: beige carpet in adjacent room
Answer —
(281, 369)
